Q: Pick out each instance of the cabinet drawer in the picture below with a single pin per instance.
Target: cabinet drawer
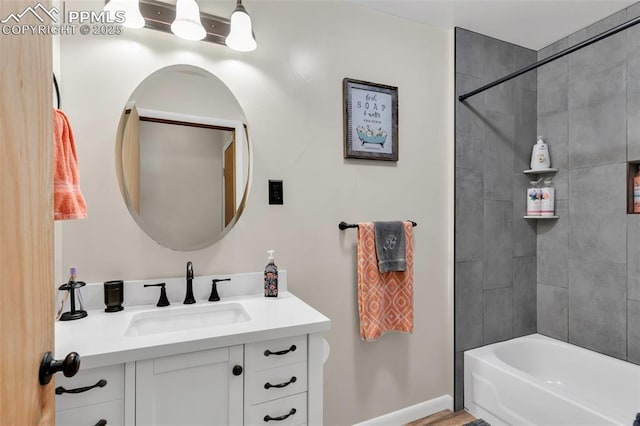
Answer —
(112, 412)
(276, 353)
(257, 414)
(292, 379)
(114, 389)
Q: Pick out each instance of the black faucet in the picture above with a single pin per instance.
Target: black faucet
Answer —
(188, 299)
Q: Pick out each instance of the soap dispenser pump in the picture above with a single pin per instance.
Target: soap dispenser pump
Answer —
(540, 155)
(271, 277)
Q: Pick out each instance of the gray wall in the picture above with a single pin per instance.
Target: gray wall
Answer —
(589, 259)
(495, 248)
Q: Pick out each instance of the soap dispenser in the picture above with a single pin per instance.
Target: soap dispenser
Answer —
(540, 155)
(271, 277)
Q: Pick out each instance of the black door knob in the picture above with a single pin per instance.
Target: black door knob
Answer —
(50, 366)
(237, 370)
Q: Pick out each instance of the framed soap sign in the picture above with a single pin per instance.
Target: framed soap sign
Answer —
(370, 120)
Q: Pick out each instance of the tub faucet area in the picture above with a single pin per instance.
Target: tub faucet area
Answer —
(189, 299)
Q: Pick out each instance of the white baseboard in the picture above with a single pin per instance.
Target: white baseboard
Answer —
(414, 412)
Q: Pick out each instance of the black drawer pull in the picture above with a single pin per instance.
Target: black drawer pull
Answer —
(101, 383)
(101, 422)
(286, 351)
(281, 385)
(278, 419)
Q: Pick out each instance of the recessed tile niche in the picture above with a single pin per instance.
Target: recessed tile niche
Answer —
(633, 168)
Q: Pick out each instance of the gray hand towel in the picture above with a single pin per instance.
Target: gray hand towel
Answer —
(390, 246)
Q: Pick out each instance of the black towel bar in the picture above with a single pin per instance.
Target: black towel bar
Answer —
(344, 225)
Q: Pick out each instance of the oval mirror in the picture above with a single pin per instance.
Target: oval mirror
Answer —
(183, 157)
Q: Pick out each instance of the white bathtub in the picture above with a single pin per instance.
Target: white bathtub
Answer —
(536, 380)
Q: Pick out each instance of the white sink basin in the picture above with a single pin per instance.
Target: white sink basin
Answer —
(165, 320)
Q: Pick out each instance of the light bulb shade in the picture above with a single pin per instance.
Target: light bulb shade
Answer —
(187, 24)
(240, 36)
(132, 16)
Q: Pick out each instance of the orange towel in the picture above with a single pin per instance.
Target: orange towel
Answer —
(68, 202)
(385, 300)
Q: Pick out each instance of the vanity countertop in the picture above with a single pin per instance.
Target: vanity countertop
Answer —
(101, 338)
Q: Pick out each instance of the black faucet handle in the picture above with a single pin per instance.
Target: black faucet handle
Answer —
(214, 297)
(163, 301)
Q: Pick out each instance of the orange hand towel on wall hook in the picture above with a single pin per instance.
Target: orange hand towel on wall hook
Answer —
(68, 202)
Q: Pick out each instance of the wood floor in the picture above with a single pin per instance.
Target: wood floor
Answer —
(444, 418)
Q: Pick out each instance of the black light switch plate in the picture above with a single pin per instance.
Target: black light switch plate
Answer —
(275, 192)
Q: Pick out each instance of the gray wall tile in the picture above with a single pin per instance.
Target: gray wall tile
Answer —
(529, 80)
(553, 248)
(598, 87)
(553, 312)
(633, 11)
(498, 156)
(633, 256)
(524, 295)
(633, 104)
(553, 48)
(469, 225)
(598, 27)
(498, 244)
(469, 52)
(597, 306)
(598, 134)
(469, 149)
(524, 231)
(553, 87)
(498, 315)
(597, 214)
(468, 307)
(554, 129)
(633, 331)
(597, 118)
(525, 130)
(469, 114)
(459, 382)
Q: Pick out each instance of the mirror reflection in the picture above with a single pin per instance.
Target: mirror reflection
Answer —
(183, 157)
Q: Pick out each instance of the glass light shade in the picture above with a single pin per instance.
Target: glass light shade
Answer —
(133, 17)
(240, 36)
(187, 24)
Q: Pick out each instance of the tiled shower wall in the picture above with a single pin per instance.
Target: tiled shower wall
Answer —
(495, 248)
(589, 259)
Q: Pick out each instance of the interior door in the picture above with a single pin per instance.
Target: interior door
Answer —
(26, 222)
(131, 158)
(229, 182)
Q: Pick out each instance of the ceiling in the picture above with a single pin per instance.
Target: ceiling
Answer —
(529, 23)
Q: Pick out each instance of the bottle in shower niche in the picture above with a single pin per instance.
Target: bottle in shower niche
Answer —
(271, 277)
(534, 197)
(547, 201)
(636, 192)
(540, 155)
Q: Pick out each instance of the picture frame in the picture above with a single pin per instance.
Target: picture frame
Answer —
(370, 120)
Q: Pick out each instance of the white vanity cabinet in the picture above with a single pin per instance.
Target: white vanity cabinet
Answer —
(197, 388)
(80, 402)
(263, 370)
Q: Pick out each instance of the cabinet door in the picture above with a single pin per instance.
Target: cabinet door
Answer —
(197, 388)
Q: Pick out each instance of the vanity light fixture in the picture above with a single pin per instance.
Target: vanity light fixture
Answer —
(187, 24)
(186, 21)
(241, 37)
(133, 17)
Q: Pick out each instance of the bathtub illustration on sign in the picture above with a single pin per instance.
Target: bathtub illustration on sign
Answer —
(371, 136)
